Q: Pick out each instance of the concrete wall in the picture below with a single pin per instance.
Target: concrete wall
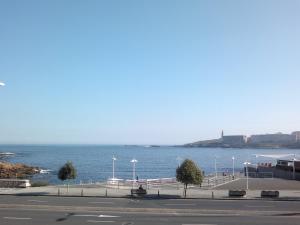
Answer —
(268, 172)
(286, 174)
(14, 183)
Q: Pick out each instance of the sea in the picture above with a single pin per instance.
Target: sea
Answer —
(94, 162)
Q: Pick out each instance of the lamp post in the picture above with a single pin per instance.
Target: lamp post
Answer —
(294, 177)
(178, 159)
(216, 171)
(113, 161)
(247, 173)
(2, 84)
(133, 161)
(233, 167)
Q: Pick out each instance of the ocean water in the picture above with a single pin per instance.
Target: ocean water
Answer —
(94, 163)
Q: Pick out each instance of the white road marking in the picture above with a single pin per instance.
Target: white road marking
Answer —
(108, 216)
(36, 201)
(98, 221)
(101, 203)
(87, 215)
(16, 218)
(100, 216)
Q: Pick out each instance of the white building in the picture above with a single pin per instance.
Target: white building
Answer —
(233, 139)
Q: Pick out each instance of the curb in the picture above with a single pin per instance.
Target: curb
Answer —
(161, 197)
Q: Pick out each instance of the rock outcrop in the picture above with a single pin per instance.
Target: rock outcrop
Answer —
(9, 170)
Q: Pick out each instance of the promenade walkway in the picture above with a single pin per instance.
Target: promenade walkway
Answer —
(288, 190)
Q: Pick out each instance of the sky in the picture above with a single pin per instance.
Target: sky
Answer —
(147, 72)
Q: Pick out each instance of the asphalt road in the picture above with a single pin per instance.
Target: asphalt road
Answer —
(82, 210)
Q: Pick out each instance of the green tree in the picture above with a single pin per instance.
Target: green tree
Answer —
(67, 172)
(189, 173)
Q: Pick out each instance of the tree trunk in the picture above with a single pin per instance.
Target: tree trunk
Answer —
(185, 188)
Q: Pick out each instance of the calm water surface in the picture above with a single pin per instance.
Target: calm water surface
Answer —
(95, 162)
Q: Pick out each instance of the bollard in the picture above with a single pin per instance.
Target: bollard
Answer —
(105, 192)
(158, 193)
(212, 195)
(81, 192)
(58, 192)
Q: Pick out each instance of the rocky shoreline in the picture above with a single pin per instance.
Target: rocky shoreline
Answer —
(18, 170)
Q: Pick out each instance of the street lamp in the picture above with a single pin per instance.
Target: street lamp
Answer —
(113, 161)
(2, 84)
(178, 159)
(233, 166)
(133, 161)
(294, 159)
(247, 174)
(216, 171)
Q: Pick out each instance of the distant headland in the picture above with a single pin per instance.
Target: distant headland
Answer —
(277, 140)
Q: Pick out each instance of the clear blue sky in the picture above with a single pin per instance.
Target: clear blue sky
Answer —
(147, 72)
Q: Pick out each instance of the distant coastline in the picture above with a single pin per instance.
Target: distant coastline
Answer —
(262, 141)
(240, 146)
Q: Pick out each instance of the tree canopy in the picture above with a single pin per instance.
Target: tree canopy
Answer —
(67, 172)
(189, 173)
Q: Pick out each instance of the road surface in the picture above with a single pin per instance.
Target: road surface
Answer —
(25, 210)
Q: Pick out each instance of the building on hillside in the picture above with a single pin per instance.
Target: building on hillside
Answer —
(278, 138)
(233, 139)
(296, 134)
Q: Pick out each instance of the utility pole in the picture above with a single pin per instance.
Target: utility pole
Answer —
(114, 159)
(233, 166)
(133, 161)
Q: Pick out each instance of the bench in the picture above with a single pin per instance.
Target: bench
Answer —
(269, 194)
(138, 192)
(237, 193)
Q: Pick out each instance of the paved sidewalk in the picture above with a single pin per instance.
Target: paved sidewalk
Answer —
(101, 191)
(262, 184)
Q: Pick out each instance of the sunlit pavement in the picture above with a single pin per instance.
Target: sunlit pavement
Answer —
(288, 189)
